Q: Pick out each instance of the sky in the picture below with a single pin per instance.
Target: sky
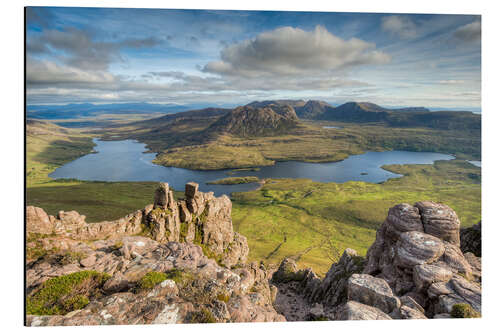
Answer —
(106, 55)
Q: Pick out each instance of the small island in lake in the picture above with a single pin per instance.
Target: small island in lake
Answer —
(234, 181)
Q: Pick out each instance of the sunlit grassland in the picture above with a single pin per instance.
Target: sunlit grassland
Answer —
(49, 146)
(315, 214)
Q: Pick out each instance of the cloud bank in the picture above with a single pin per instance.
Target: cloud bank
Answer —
(293, 51)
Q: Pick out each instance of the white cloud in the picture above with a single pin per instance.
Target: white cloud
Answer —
(470, 32)
(451, 81)
(292, 51)
(401, 26)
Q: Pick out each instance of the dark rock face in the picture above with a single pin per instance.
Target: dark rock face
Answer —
(470, 239)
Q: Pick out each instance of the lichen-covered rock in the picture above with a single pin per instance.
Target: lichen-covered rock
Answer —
(455, 260)
(372, 291)
(416, 248)
(457, 290)
(403, 218)
(405, 312)
(427, 274)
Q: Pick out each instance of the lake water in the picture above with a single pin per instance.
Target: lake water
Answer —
(125, 161)
(475, 163)
(327, 127)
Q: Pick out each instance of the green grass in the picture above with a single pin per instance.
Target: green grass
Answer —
(98, 201)
(180, 277)
(317, 218)
(234, 180)
(66, 293)
(151, 279)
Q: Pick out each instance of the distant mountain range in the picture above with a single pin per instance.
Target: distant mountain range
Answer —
(368, 113)
(271, 116)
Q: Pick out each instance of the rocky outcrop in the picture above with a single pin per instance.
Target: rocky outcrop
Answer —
(417, 251)
(37, 221)
(470, 239)
(200, 218)
(414, 270)
(197, 289)
(332, 290)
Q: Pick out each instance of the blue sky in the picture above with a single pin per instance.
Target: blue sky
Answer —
(104, 55)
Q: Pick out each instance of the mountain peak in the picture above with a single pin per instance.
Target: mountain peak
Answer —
(254, 121)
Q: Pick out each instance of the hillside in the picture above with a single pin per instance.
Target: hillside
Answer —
(312, 109)
(49, 146)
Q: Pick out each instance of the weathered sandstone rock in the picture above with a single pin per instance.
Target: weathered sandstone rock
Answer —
(356, 311)
(440, 220)
(37, 221)
(369, 290)
(416, 248)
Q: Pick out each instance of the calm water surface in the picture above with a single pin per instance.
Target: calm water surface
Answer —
(125, 161)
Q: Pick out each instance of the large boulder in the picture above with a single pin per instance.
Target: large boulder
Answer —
(372, 291)
(440, 220)
(416, 248)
